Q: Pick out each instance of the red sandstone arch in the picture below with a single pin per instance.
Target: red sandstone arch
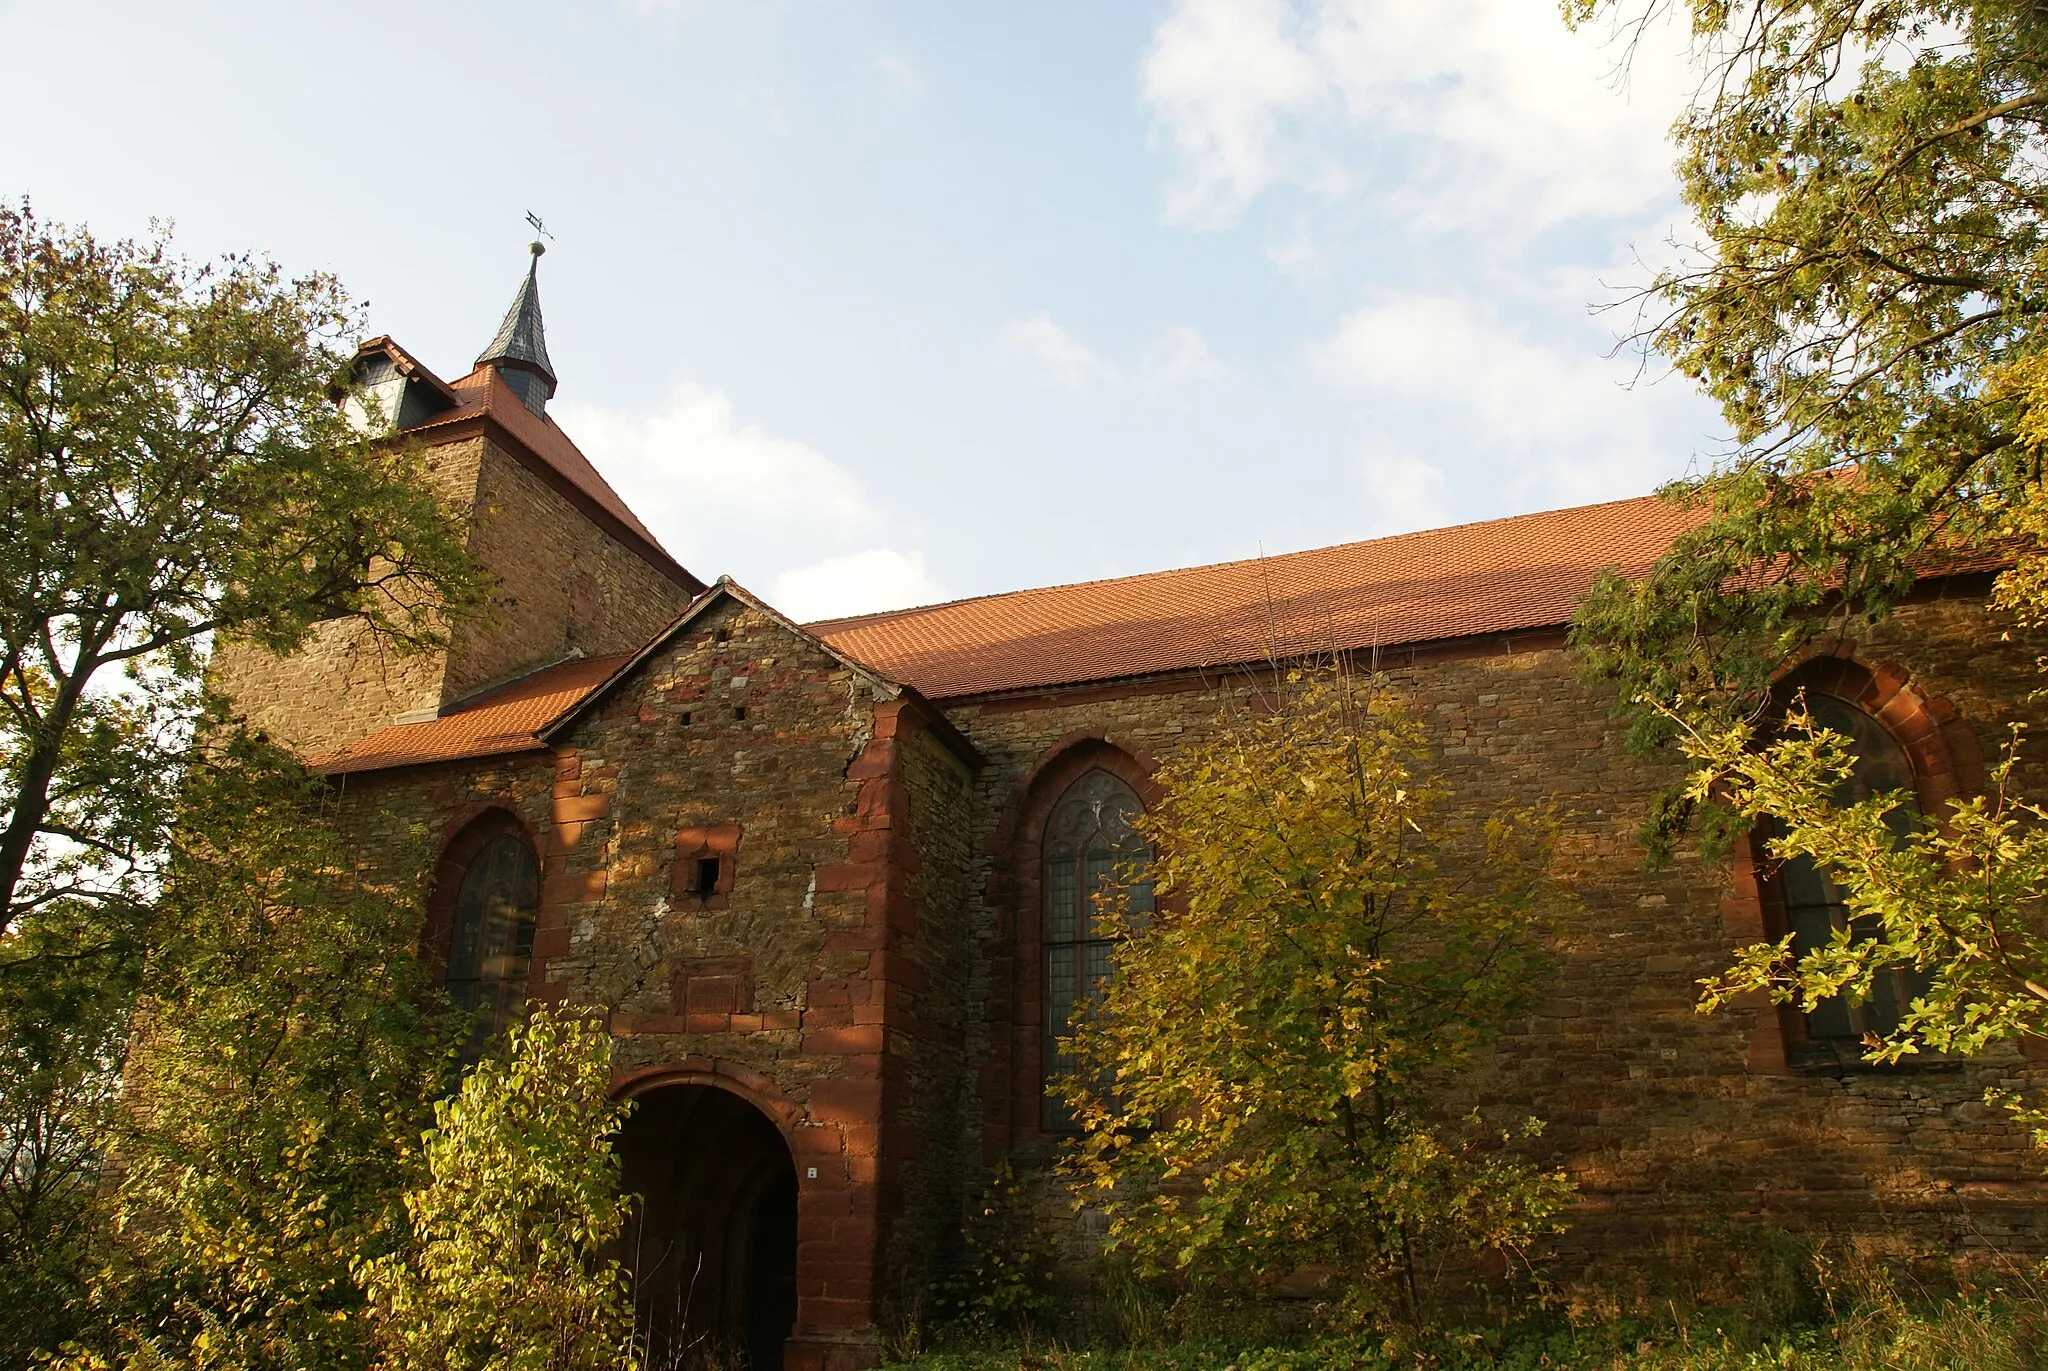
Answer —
(463, 839)
(1011, 1081)
(1947, 763)
(836, 1220)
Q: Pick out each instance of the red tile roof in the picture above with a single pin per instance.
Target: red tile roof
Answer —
(1504, 576)
(483, 393)
(1501, 576)
(505, 720)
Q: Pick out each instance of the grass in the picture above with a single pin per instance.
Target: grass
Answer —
(1973, 1336)
(1870, 1324)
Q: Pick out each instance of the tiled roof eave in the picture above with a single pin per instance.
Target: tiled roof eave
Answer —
(345, 765)
(1471, 643)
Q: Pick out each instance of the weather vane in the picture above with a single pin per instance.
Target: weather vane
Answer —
(538, 226)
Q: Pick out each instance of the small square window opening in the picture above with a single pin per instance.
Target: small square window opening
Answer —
(707, 877)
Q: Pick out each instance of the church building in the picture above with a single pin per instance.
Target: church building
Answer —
(826, 880)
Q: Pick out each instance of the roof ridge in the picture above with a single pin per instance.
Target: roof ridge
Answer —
(852, 621)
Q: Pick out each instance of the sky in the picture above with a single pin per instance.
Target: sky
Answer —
(870, 305)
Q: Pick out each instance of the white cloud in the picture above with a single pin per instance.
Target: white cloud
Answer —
(857, 583)
(1059, 354)
(693, 458)
(1467, 111)
(1220, 77)
(1556, 421)
(899, 73)
(1403, 493)
(1179, 355)
(1298, 255)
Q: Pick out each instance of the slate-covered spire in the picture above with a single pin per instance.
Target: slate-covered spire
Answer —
(520, 351)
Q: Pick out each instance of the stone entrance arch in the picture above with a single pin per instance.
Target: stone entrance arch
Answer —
(711, 1241)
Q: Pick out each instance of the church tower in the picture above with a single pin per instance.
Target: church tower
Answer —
(577, 573)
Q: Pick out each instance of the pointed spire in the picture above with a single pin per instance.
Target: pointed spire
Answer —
(520, 351)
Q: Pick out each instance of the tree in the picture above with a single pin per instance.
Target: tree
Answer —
(61, 1037)
(1269, 1080)
(1866, 305)
(286, 1051)
(1962, 899)
(503, 1269)
(173, 468)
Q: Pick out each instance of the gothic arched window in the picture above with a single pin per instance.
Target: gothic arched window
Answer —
(491, 931)
(1814, 905)
(1088, 841)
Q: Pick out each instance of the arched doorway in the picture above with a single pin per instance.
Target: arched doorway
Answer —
(712, 1239)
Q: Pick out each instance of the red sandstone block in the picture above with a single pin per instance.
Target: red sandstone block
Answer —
(879, 802)
(897, 911)
(563, 837)
(827, 1016)
(782, 1020)
(709, 1023)
(822, 993)
(877, 759)
(812, 1141)
(838, 878)
(573, 887)
(841, 1041)
(551, 942)
(896, 969)
(846, 1101)
(746, 1023)
(827, 1311)
(578, 808)
(568, 766)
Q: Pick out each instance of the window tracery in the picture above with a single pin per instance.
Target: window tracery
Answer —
(1088, 843)
(490, 943)
(1815, 908)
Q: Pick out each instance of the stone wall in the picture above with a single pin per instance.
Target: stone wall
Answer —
(863, 971)
(932, 1127)
(744, 738)
(564, 585)
(1657, 1110)
(344, 683)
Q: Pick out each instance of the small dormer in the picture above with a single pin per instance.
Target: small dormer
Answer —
(394, 392)
(520, 351)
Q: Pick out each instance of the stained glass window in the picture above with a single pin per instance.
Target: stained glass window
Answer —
(1815, 907)
(492, 938)
(1088, 844)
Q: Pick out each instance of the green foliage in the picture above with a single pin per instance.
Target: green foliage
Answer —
(1960, 899)
(284, 1059)
(1265, 1084)
(1866, 306)
(504, 1269)
(173, 469)
(1871, 1321)
(65, 1000)
(1007, 1279)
